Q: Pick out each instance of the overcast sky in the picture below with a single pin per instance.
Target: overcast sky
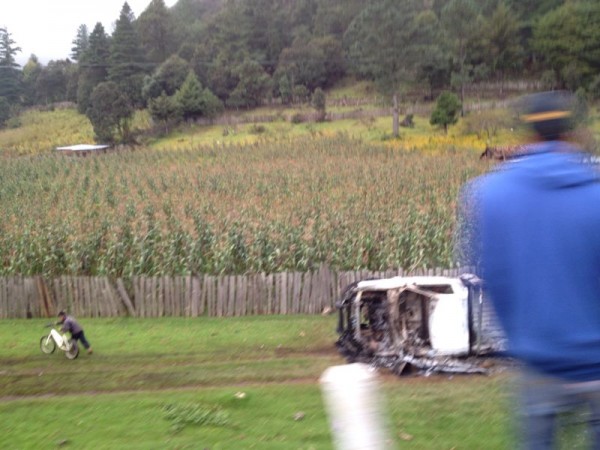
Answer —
(47, 28)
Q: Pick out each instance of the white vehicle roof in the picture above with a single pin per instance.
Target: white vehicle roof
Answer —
(400, 282)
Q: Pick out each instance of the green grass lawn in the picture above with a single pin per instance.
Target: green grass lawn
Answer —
(235, 383)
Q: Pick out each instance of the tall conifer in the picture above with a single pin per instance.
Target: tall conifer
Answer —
(155, 27)
(93, 66)
(80, 43)
(10, 75)
(127, 67)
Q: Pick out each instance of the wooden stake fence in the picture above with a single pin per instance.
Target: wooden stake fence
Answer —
(184, 296)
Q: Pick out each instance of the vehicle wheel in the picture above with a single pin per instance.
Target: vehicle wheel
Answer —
(73, 352)
(47, 345)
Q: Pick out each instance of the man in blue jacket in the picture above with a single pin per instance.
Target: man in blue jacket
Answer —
(533, 227)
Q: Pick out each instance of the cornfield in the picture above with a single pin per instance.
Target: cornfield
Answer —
(269, 206)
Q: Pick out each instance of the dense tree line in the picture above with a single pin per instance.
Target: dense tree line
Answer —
(200, 56)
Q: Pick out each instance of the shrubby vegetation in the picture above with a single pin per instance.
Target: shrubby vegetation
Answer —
(246, 53)
(446, 110)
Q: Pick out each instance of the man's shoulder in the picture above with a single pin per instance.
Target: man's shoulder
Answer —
(487, 181)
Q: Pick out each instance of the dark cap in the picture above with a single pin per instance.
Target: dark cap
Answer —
(61, 313)
(550, 114)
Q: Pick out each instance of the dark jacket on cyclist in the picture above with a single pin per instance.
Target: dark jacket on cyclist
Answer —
(69, 324)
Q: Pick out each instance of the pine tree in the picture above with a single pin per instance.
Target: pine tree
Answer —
(155, 27)
(446, 110)
(93, 66)
(126, 58)
(190, 97)
(164, 109)
(212, 106)
(80, 43)
(10, 75)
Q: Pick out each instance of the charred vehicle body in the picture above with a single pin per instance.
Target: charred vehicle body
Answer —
(424, 323)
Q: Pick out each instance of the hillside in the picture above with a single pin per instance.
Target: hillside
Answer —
(203, 57)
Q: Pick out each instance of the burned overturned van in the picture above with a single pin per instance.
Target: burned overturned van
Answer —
(424, 323)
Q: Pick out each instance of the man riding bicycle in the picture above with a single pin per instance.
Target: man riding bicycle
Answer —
(72, 326)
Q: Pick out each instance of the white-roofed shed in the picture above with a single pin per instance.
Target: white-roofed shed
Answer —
(83, 149)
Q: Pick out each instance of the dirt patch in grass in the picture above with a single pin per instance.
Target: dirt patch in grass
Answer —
(329, 351)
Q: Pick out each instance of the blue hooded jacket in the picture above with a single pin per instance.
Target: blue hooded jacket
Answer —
(536, 231)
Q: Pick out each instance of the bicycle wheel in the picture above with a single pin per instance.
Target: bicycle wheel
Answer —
(73, 352)
(47, 344)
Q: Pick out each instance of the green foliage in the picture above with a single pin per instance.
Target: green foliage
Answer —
(164, 109)
(580, 107)
(297, 118)
(31, 72)
(110, 113)
(190, 97)
(446, 110)
(94, 66)
(253, 87)
(196, 102)
(594, 88)
(568, 39)
(408, 48)
(80, 43)
(332, 17)
(168, 77)
(318, 99)
(4, 111)
(379, 43)
(319, 103)
(53, 80)
(502, 47)
(387, 43)
(463, 27)
(285, 90)
(316, 62)
(126, 58)
(301, 93)
(549, 80)
(532, 10)
(212, 105)
(433, 64)
(156, 29)
(10, 75)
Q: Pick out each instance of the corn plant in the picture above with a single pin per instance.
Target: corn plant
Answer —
(233, 208)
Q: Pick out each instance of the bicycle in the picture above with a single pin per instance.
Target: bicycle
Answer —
(48, 343)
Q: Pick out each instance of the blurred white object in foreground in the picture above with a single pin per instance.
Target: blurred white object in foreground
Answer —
(354, 409)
